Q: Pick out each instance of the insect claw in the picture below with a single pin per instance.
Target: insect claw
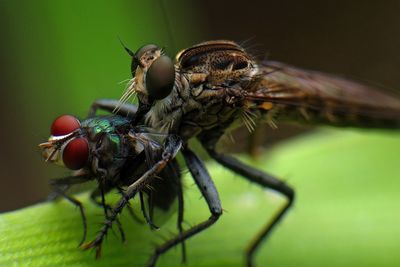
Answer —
(98, 251)
(87, 245)
(93, 244)
(45, 145)
(82, 242)
(154, 227)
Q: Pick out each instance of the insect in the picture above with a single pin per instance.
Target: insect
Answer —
(211, 86)
(214, 85)
(118, 156)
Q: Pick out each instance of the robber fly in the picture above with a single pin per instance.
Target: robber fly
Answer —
(214, 85)
(109, 150)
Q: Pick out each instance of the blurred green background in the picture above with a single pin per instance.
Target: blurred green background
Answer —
(59, 56)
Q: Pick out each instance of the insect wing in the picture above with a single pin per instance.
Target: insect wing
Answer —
(297, 94)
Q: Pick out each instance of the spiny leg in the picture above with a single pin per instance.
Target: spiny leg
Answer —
(61, 185)
(173, 145)
(103, 200)
(210, 194)
(180, 219)
(145, 214)
(54, 195)
(150, 204)
(107, 208)
(126, 110)
(265, 180)
(130, 209)
(142, 110)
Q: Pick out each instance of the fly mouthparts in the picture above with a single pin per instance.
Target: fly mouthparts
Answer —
(45, 145)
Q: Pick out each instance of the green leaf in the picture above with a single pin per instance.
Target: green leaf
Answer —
(346, 214)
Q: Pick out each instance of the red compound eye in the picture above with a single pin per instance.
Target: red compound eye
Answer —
(76, 153)
(64, 124)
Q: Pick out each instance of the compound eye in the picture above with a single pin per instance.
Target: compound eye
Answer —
(160, 78)
(64, 124)
(76, 153)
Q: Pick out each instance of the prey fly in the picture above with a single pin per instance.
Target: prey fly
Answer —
(117, 156)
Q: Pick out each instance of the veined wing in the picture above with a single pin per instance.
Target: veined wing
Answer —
(294, 94)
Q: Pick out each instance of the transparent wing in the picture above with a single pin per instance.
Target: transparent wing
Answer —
(312, 96)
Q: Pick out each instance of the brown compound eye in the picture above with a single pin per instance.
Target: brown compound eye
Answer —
(160, 78)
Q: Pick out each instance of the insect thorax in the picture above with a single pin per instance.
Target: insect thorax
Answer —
(108, 144)
(211, 81)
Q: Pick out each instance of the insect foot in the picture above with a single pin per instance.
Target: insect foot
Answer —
(95, 244)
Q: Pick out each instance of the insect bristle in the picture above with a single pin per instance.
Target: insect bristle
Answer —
(128, 93)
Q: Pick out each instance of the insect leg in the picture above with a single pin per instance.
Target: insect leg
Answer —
(54, 195)
(64, 184)
(69, 180)
(172, 146)
(145, 214)
(107, 208)
(150, 204)
(61, 185)
(100, 193)
(210, 194)
(265, 180)
(130, 209)
(142, 110)
(111, 105)
(180, 219)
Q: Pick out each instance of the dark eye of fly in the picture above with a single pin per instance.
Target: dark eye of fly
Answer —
(139, 53)
(160, 78)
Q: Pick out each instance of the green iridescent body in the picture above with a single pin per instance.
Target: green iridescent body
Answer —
(109, 145)
(111, 127)
(107, 124)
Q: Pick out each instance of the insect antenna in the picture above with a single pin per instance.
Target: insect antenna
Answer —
(130, 52)
(130, 85)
